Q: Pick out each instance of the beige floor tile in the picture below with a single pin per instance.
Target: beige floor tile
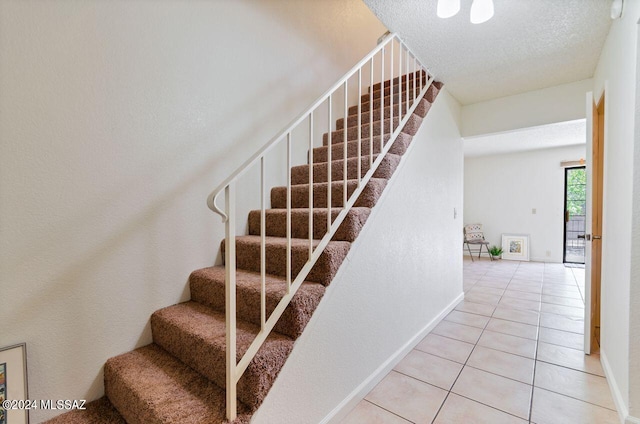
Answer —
(472, 320)
(460, 410)
(447, 348)
(528, 288)
(457, 331)
(513, 328)
(502, 393)
(514, 303)
(571, 358)
(430, 368)
(566, 301)
(507, 343)
(366, 412)
(576, 384)
(568, 311)
(522, 295)
(487, 290)
(509, 314)
(562, 338)
(493, 284)
(407, 397)
(559, 322)
(553, 408)
(529, 281)
(476, 308)
(490, 299)
(505, 364)
(553, 291)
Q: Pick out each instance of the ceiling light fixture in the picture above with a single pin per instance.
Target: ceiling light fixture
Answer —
(481, 11)
(448, 8)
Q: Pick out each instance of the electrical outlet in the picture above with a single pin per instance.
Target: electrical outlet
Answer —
(455, 213)
(548, 253)
(534, 211)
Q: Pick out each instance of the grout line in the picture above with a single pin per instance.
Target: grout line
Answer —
(391, 412)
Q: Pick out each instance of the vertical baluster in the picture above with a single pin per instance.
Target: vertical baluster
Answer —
(415, 78)
(359, 148)
(329, 169)
(401, 49)
(288, 213)
(230, 300)
(391, 92)
(310, 185)
(344, 144)
(263, 239)
(382, 101)
(371, 117)
(407, 78)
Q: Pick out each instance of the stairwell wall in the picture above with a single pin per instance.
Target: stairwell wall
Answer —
(402, 272)
(116, 121)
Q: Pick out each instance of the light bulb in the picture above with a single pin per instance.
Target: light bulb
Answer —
(481, 11)
(448, 8)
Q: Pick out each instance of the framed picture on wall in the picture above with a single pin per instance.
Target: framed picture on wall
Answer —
(515, 247)
(13, 384)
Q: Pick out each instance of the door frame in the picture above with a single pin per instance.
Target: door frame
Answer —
(596, 138)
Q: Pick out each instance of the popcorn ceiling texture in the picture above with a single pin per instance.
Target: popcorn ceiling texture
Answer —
(526, 46)
(179, 378)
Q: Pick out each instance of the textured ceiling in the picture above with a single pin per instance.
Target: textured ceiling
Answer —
(527, 45)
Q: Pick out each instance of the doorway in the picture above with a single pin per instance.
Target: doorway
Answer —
(575, 208)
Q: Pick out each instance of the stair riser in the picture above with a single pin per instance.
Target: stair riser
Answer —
(421, 110)
(300, 174)
(411, 128)
(209, 359)
(248, 258)
(320, 154)
(396, 86)
(387, 91)
(403, 78)
(211, 292)
(300, 195)
(276, 225)
(430, 96)
(352, 133)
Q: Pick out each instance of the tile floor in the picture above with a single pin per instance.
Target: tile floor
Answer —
(511, 352)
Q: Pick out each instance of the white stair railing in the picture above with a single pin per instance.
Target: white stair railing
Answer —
(407, 65)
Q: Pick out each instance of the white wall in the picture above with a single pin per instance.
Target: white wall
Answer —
(617, 68)
(634, 304)
(500, 192)
(116, 121)
(402, 271)
(540, 107)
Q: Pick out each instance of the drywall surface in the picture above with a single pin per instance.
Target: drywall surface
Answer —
(402, 271)
(634, 304)
(501, 191)
(116, 121)
(617, 69)
(539, 107)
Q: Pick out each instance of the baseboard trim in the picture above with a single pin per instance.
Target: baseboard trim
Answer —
(623, 412)
(344, 407)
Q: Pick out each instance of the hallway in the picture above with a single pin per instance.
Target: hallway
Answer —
(511, 352)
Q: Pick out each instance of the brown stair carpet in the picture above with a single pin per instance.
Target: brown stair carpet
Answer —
(180, 377)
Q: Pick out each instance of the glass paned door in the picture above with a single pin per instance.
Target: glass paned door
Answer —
(575, 206)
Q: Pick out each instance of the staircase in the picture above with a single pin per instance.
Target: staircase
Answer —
(181, 376)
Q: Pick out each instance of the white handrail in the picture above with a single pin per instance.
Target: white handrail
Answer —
(234, 370)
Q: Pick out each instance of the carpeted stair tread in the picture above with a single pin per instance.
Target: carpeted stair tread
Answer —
(403, 78)
(149, 386)
(430, 97)
(352, 120)
(321, 154)
(323, 271)
(300, 174)
(195, 334)
(421, 110)
(376, 94)
(411, 127)
(300, 194)
(100, 411)
(208, 288)
(276, 223)
(396, 87)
